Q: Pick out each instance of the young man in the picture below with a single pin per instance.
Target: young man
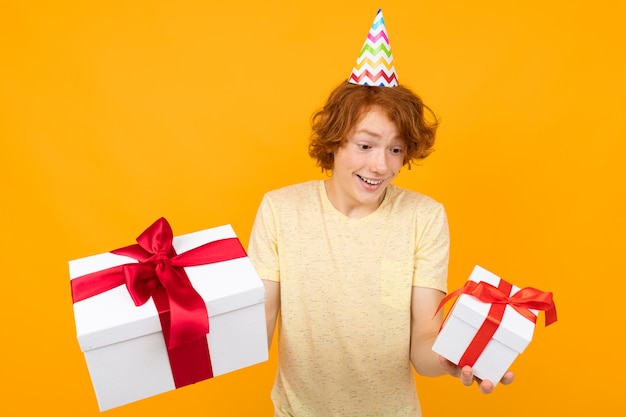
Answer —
(354, 266)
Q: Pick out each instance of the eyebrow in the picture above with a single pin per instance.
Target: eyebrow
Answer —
(377, 136)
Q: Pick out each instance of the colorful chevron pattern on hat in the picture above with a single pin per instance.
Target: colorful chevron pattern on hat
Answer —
(374, 66)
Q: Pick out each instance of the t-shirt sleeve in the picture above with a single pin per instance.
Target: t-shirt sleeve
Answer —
(432, 251)
(263, 247)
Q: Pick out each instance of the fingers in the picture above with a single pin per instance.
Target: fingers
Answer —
(449, 367)
(507, 378)
(467, 377)
(486, 386)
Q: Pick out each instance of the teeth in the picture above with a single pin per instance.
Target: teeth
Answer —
(371, 182)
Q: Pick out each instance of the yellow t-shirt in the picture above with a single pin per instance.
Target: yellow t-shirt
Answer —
(344, 325)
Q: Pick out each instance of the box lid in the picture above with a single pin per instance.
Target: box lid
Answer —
(514, 331)
(112, 317)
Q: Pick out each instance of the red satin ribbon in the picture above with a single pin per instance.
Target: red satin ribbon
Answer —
(522, 301)
(159, 274)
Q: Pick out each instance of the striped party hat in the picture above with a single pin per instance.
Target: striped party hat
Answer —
(374, 66)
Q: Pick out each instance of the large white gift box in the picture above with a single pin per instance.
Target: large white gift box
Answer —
(490, 335)
(124, 345)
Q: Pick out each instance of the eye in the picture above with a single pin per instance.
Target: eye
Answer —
(397, 150)
(363, 146)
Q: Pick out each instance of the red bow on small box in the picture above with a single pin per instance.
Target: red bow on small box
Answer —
(159, 275)
(499, 297)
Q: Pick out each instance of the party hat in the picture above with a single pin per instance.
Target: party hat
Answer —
(374, 66)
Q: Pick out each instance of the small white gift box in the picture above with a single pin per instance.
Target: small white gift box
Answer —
(124, 345)
(490, 335)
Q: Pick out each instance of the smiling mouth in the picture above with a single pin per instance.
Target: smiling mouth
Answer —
(369, 181)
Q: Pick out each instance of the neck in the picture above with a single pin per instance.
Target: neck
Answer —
(347, 206)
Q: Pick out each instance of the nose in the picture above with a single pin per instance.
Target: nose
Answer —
(379, 162)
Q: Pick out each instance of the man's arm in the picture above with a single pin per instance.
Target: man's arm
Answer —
(424, 329)
(272, 307)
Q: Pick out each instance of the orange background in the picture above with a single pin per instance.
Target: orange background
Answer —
(116, 113)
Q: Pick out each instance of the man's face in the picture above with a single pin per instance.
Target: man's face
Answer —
(365, 164)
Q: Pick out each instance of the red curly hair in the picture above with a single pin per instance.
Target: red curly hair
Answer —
(347, 104)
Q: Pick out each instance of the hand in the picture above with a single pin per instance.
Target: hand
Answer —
(467, 377)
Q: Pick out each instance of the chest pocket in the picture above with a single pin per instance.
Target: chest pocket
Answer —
(396, 279)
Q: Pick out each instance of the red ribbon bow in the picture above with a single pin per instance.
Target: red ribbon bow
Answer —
(522, 301)
(499, 297)
(159, 274)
